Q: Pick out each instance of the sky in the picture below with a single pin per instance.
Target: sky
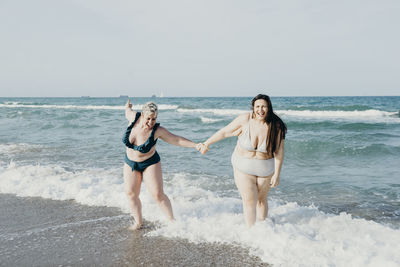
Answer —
(67, 48)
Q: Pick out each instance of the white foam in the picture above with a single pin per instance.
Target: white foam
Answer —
(222, 112)
(366, 115)
(19, 148)
(91, 187)
(356, 115)
(209, 120)
(88, 107)
(292, 236)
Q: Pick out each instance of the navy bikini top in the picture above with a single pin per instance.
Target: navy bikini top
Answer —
(146, 146)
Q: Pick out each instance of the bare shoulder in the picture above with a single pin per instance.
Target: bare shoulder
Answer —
(243, 118)
(236, 126)
(161, 131)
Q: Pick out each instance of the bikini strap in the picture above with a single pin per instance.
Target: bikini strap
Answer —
(136, 118)
(154, 130)
(125, 138)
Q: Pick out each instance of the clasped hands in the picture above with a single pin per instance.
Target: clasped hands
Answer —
(202, 148)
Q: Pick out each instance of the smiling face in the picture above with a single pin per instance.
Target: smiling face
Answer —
(149, 113)
(260, 109)
(150, 119)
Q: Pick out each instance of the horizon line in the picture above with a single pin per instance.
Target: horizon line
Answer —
(127, 96)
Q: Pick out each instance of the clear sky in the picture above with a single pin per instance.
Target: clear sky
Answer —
(199, 47)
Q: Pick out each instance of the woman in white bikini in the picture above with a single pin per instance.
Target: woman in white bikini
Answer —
(258, 156)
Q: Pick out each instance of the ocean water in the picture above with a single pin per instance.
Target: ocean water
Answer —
(338, 203)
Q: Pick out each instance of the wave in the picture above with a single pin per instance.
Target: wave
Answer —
(369, 150)
(221, 112)
(309, 236)
(331, 107)
(358, 115)
(18, 148)
(209, 120)
(88, 107)
(370, 114)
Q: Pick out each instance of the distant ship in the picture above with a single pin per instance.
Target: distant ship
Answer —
(85, 96)
(123, 96)
(161, 95)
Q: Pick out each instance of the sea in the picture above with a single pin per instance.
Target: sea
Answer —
(338, 202)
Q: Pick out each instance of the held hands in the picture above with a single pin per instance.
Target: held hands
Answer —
(202, 148)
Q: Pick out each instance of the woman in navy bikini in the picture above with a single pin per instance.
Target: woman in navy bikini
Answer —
(142, 162)
(258, 155)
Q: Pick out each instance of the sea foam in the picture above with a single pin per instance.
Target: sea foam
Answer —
(365, 115)
(371, 115)
(87, 107)
(209, 120)
(11, 148)
(293, 235)
(221, 112)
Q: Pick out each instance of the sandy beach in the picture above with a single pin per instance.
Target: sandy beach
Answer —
(42, 232)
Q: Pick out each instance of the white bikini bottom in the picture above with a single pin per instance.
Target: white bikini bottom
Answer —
(257, 167)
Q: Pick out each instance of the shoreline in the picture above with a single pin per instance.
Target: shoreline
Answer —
(42, 232)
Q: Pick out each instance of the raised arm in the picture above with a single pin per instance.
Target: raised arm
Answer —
(173, 139)
(129, 113)
(232, 129)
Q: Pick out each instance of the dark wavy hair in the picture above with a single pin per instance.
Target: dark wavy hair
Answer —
(276, 127)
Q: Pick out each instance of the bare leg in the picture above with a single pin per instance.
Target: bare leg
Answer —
(152, 177)
(247, 187)
(263, 186)
(133, 181)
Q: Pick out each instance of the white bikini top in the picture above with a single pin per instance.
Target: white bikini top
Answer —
(245, 141)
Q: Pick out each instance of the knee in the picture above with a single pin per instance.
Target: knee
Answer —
(159, 196)
(262, 202)
(262, 199)
(132, 194)
(249, 200)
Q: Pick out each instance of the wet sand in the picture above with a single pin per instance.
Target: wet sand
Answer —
(42, 232)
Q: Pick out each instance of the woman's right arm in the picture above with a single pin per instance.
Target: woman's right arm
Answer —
(129, 113)
(232, 129)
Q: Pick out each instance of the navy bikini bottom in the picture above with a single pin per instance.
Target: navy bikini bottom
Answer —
(141, 166)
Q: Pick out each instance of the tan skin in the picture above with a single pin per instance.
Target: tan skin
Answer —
(253, 189)
(152, 175)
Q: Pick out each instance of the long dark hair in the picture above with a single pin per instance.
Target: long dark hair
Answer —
(276, 127)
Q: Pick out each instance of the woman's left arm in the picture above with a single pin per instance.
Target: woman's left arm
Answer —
(173, 139)
(278, 155)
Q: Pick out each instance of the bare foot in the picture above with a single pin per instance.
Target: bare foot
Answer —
(134, 227)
